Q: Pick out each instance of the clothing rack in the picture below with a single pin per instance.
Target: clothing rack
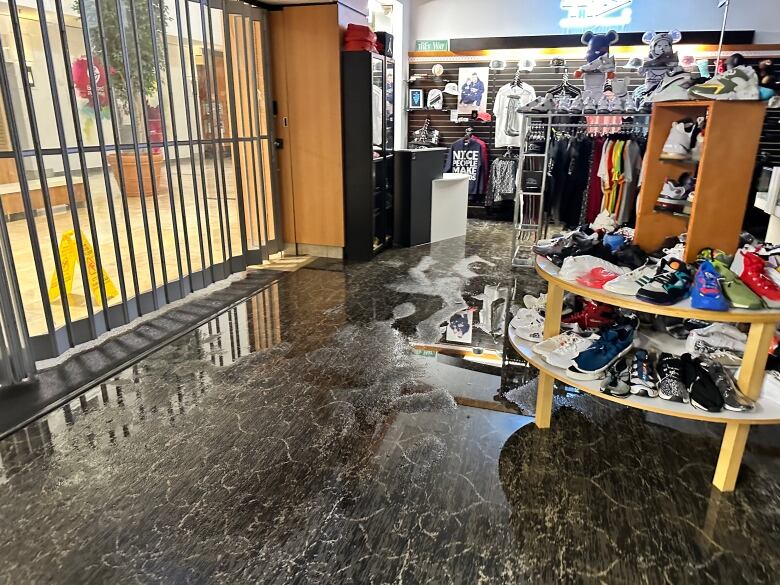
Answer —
(530, 221)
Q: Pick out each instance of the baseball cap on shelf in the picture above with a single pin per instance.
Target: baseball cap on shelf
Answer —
(452, 89)
(526, 65)
(497, 65)
(485, 117)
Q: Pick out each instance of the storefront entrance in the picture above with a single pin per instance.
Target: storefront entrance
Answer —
(136, 158)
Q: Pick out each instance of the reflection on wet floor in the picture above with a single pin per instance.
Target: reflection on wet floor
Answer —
(311, 435)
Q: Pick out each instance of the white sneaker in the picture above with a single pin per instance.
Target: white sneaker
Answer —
(673, 88)
(739, 83)
(722, 343)
(604, 64)
(537, 304)
(576, 266)
(528, 324)
(604, 222)
(680, 141)
(549, 346)
(629, 284)
(722, 329)
(563, 357)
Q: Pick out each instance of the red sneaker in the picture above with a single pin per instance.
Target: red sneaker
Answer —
(597, 278)
(593, 316)
(750, 269)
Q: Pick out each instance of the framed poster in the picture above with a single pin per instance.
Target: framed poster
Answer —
(461, 327)
(473, 84)
(415, 99)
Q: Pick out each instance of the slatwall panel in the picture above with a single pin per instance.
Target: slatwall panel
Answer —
(542, 78)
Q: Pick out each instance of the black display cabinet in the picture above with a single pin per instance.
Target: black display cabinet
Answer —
(415, 171)
(368, 104)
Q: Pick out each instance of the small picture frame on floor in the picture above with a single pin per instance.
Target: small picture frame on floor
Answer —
(461, 327)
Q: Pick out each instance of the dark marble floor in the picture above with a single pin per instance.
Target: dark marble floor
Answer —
(298, 438)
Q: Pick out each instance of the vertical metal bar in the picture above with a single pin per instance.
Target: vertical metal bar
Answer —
(188, 253)
(188, 117)
(136, 144)
(253, 119)
(17, 30)
(82, 157)
(198, 129)
(219, 169)
(118, 152)
(164, 131)
(60, 123)
(256, 107)
(234, 122)
(268, 78)
(16, 145)
(544, 177)
(19, 362)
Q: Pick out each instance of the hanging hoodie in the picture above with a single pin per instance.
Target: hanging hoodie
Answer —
(470, 158)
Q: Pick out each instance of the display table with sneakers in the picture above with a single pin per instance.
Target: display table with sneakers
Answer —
(750, 380)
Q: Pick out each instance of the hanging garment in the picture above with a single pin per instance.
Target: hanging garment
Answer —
(510, 129)
(595, 193)
(503, 180)
(378, 105)
(557, 170)
(577, 178)
(632, 169)
(469, 157)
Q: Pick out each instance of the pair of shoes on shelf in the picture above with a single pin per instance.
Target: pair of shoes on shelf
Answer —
(676, 195)
(639, 379)
(685, 140)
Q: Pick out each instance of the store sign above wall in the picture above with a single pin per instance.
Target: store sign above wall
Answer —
(435, 45)
(586, 14)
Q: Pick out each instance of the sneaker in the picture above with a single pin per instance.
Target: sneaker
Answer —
(733, 399)
(577, 240)
(529, 325)
(702, 389)
(597, 278)
(544, 105)
(629, 284)
(536, 303)
(563, 357)
(671, 284)
(673, 88)
(632, 256)
(670, 379)
(589, 105)
(604, 64)
(749, 267)
(643, 379)
(574, 267)
(616, 382)
(565, 346)
(603, 105)
(736, 291)
(593, 316)
(614, 241)
(680, 141)
(592, 363)
(707, 293)
(739, 83)
(722, 343)
(576, 105)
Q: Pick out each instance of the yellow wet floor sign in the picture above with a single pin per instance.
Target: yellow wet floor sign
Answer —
(69, 257)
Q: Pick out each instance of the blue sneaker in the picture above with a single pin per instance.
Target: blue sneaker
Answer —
(597, 359)
(707, 293)
(614, 242)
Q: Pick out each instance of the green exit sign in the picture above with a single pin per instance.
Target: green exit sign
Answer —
(427, 46)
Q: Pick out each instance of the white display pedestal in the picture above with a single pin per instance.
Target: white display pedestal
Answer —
(449, 206)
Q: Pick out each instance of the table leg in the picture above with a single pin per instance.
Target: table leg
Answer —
(552, 313)
(751, 375)
(552, 327)
(731, 451)
(544, 401)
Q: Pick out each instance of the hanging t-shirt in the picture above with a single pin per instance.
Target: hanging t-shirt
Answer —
(469, 158)
(509, 123)
(378, 107)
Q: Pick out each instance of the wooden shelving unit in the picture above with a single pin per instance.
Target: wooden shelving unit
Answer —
(723, 178)
(750, 380)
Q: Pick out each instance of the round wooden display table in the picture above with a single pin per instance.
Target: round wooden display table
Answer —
(750, 380)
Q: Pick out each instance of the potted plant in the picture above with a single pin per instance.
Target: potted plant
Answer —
(138, 88)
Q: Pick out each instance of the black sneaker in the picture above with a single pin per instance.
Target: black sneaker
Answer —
(644, 381)
(670, 373)
(704, 393)
(733, 399)
(617, 381)
(671, 285)
(631, 256)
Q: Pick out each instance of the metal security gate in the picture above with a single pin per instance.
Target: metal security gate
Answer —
(136, 157)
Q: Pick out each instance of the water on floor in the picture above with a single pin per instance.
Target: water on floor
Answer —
(300, 438)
